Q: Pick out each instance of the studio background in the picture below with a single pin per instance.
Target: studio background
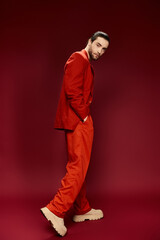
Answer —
(37, 37)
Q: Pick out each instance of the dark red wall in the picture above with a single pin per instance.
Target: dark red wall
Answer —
(36, 39)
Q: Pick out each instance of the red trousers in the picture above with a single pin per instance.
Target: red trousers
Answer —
(73, 189)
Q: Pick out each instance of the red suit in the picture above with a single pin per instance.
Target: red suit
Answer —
(74, 106)
(77, 91)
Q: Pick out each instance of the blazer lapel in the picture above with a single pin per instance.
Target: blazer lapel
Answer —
(85, 53)
(92, 70)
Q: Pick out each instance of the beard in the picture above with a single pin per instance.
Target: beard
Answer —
(93, 56)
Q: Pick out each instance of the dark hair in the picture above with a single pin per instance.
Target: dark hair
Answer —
(100, 34)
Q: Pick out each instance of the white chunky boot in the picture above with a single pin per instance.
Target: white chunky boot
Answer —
(57, 222)
(93, 214)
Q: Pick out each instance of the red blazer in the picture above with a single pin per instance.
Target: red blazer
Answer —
(77, 91)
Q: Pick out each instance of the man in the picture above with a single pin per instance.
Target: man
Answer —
(73, 116)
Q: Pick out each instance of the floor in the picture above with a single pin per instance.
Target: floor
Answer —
(126, 218)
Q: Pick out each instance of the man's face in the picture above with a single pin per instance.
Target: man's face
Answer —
(97, 48)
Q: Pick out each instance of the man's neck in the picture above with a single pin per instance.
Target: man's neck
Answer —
(86, 48)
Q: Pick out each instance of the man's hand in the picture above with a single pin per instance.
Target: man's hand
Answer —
(85, 119)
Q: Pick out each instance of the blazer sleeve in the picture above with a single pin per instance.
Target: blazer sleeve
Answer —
(73, 83)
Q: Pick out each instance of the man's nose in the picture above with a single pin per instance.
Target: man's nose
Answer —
(99, 51)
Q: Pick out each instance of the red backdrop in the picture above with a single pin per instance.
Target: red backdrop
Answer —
(36, 39)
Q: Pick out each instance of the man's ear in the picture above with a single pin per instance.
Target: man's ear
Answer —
(89, 42)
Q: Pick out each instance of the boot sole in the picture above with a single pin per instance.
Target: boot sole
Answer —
(54, 225)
